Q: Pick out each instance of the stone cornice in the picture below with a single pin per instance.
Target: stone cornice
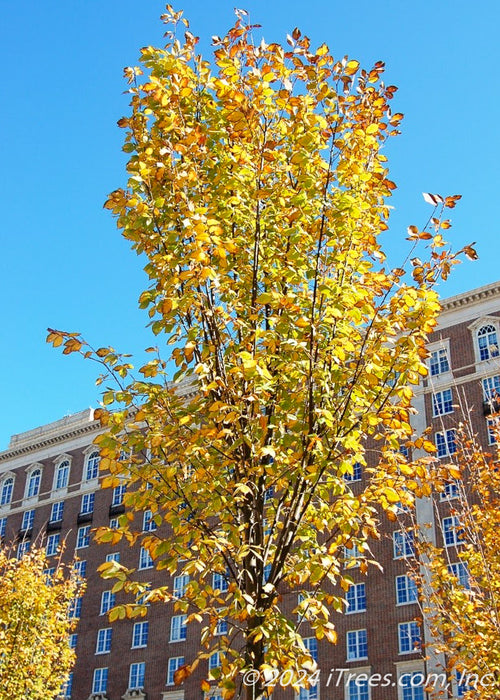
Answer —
(25, 449)
(471, 297)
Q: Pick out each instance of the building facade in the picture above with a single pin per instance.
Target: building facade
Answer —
(50, 494)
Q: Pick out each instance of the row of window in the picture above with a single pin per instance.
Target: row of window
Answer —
(412, 683)
(61, 478)
(486, 349)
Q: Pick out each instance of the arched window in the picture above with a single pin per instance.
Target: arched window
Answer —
(34, 479)
(62, 475)
(92, 468)
(6, 492)
(487, 342)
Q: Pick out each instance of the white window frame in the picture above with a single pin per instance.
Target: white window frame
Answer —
(53, 512)
(406, 547)
(441, 350)
(442, 406)
(148, 522)
(28, 519)
(447, 440)
(173, 664)
(356, 636)
(137, 668)
(460, 571)
(179, 585)
(140, 630)
(405, 633)
(88, 503)
(358, 599)
(178, 628)
(100, 680)
(60, 462)
(483, 323)
(91, 467)
(107, 602)
(103, 640)
(451, 531)
(7, 489)
(408, 588)
(83, 537)
(53, 544)
(145, 559)
(32, 491)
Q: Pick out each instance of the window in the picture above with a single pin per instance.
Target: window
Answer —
(221, 627)
(179, 587)
(107, 602)
(463, 686)
(148, 523)
(87, 505)
(220, 582)
(22, 548)
(114, 556)
(103, 645)
(452, 533)
(92, 466)
(406, 590)
(52, 545)
(118, 493)
(174, 663)
(83, 537)
(404, 544)
(491, 388)
(6, 493)
(75, 608)
(487, 342)
(56, 514)
(450, 491)
(3, 527)
(80, 568)
(140, 634)
(351, 556)
(439, 362)
(356, 473)
(49, 574)
(62, 475)
(28, 518)
(356, 598)
(311, 644)
(409, 637)
(493, 428)
(73, 640)
(100, 682)
(33, 485)
(357, 689)
(67, 687)
(461, 572)
(412, 685)
(145, 559)
(178, 628)
(214, 661)
(445, 443)
(136, 676)
(442, 402)
(357, 645)
(113, 523)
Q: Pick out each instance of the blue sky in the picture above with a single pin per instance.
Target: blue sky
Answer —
(63, 262)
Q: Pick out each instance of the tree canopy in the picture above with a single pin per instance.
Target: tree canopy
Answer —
(257, 194)
(35, 655)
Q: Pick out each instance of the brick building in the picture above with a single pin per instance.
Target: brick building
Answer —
(49, 492)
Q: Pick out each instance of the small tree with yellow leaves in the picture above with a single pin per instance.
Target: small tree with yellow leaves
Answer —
(35, 656)
(257, 194)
